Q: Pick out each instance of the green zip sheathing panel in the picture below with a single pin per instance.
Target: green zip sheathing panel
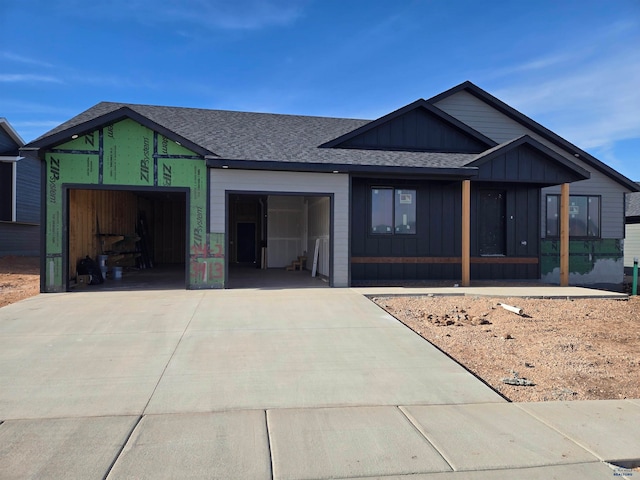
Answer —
(590, 261)
(127, 155)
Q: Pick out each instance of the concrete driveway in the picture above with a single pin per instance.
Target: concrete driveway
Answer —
(284, 384)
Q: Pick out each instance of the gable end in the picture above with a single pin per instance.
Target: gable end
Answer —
(418, 127)
(528, 161)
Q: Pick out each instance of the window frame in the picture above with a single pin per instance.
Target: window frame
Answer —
(394, 207)
(572, 236)
(13, 186)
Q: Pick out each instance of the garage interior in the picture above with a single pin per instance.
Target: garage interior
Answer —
(142, 232)
(272, 240)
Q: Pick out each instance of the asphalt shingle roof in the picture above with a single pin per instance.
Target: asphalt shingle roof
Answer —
(270, 137)
(633, 204)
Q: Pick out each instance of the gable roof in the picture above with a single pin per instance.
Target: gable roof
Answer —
(259, 140)
(544, 132)
(230, 139)
(346, 140)
(524, 159)
(632, 204)
(10, 141)
(527, 140)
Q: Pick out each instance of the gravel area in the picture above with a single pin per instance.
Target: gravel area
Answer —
(556, 350)
(19, 278)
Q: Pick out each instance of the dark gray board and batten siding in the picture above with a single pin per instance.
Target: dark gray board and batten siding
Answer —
(501, 128)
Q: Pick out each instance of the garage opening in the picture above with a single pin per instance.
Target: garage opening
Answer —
(137, 237)
(274, 240)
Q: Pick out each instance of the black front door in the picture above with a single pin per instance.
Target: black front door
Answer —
(491, 222)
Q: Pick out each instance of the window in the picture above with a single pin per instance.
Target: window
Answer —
(393, 211)
(584, 216)
(7, 200)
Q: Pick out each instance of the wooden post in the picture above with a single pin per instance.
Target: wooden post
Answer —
(564, 235)
(466, 233)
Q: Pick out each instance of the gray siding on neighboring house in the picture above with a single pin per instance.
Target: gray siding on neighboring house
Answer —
(631, 244)
(263, 181)
(28, 191)
(22, 237)
(7, 144)
(19, 239)
(499, 127)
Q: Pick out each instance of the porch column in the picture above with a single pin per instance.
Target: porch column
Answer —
(466, 233)
(564, 235)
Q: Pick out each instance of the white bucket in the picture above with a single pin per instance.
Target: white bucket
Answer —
(102, 260)
(117, 273)
(104, 271)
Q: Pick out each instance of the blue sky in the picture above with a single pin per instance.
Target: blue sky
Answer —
(573, 66)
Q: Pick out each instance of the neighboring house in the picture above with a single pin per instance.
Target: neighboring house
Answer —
(632, 229)
(19, 196)
(442, 187)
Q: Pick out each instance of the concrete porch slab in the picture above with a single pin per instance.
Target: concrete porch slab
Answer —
(501, 291)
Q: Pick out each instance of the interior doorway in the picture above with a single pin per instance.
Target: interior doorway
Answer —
(246, 241)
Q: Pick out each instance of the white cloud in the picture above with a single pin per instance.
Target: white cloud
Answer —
(593, 106)
(239, 14)
(211, 14)
(24, 60)
(28, 78)
(589, 95)
(36, 125)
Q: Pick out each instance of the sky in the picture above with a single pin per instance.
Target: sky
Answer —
(573, 66)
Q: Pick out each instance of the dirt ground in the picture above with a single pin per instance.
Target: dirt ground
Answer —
(568, 349)
(19, 278)
(557, 349)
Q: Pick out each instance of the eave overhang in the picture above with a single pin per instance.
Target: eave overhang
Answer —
(41, 145)
(527, 140)
(271, 165)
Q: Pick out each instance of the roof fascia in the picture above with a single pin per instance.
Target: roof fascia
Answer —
(532, 142)
(10, 158)
(421, 103)
(462, 172)
(6, 126)
(536, 127)
(109, 118)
